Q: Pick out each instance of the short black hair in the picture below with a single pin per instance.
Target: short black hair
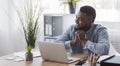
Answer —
(89, 11)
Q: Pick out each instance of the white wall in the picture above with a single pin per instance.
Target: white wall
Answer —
(15, 30)
(68, 19)
(4, 32)
(9, 30)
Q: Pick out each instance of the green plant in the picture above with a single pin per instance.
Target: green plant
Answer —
(73, 2)
(29, 21)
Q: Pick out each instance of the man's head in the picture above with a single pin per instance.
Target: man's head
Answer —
(85, 17)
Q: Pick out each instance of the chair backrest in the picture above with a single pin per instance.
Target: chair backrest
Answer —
(113, 51)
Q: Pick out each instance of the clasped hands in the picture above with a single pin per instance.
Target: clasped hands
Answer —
(79, 37)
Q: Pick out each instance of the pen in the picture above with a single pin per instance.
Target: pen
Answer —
(108, 58)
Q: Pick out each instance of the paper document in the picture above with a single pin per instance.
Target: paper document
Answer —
(22, 54)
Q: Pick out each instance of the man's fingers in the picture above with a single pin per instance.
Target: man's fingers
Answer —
(78, 37)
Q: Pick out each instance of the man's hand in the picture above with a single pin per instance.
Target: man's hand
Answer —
(79, 37)
(81, 34)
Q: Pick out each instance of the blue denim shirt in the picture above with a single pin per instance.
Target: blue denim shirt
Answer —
(98, 41)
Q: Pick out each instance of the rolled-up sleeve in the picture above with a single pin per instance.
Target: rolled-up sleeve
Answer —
(102, 46)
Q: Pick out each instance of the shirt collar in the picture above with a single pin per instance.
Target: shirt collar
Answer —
(90, 29)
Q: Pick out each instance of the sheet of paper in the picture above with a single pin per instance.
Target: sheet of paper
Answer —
(22, 54)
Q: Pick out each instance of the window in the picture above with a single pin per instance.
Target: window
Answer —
(51, 6)
(105, 12)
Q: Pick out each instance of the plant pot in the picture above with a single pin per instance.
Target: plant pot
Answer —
(29, 56)
(71, 8)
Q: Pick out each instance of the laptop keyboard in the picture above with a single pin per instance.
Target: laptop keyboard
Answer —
(71, 58)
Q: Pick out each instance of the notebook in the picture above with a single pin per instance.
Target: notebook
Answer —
(111, 61)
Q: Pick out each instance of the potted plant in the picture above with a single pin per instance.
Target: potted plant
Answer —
(71, 3)
(29, 21)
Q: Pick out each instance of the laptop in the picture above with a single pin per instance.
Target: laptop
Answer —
(55, 52)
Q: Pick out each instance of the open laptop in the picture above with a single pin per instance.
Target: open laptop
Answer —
(55, 52)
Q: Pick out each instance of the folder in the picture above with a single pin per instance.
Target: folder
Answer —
(113, 61)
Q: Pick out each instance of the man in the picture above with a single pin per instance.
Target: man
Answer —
(85, 36)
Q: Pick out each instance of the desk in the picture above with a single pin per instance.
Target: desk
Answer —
(36, 62)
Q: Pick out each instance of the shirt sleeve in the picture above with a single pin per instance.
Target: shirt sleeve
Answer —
(102, 46)
(65, 39)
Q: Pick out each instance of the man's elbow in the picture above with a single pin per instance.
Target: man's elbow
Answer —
(104, 50)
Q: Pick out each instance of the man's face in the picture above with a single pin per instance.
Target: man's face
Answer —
(82, 21)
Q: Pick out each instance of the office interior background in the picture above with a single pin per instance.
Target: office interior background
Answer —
(12, 36)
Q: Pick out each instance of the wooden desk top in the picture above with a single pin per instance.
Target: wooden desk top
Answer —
(36, 62)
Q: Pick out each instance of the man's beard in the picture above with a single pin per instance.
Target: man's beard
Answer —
(84, 28)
